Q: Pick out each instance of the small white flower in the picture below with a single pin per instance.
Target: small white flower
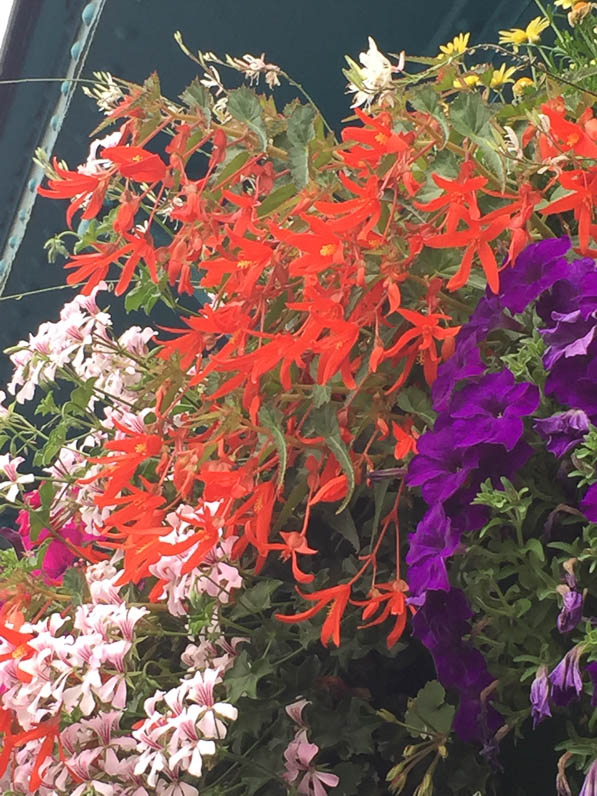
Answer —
(11, 487)
(375, 74)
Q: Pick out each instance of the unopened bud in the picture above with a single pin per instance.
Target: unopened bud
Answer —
(397, 785)
(426, 786)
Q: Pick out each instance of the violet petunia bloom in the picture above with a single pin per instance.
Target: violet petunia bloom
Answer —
(443, 618)
(439, 468)
(564, 294)
(464, 363)
(491, 411)
(589, 503)
(574, 382)
(571, 612)
(565, 679)
(540, 709)
(487, 316)
(570, 337)
(589, 787)
(475, 720)
(536, 269)
(429, 546)
(564, 430)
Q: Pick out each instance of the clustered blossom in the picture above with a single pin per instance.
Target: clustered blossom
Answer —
(180, 728)
(214, 576)
(82, 341)
(299, 755)
(53, 666)
(478, 434)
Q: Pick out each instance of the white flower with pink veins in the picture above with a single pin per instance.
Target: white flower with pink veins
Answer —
(14, 482)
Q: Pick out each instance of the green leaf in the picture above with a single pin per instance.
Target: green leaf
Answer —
(343, 524)
(380, 489)
(491, 159)
(275, 199)
(256, 599)
(75, 584)
(428, 712)
(470, 116)
(535, 546)
(426, 99)
(46, 494)
(47, 405)
(416, 402)
(38, 520)
(81, 395)
(243, 677)
(195, 95)
(272, 420)
(244, 105)
(325, 423)
(48, 453)
(144, 295)
(300, 132)
(321, 394)
(230, 166)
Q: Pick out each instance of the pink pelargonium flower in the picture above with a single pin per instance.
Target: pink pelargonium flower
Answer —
(298, 756)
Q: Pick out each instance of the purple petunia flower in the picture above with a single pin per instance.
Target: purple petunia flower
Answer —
(429, 546)
(474, 720)
(540, 709)
(440, 469)
(491, 410)
(565, 679)
(443, 618)
(487, 316)
(574, 382)
(564, 295)
(536, 269)
(589, 787)
(570, 337)
(589, 503)
(564, 430)
(571, 612)
(464, 363)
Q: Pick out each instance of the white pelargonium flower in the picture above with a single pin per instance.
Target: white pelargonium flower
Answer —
(14, 480)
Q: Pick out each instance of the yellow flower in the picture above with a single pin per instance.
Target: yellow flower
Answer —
(530, 35)
(565, 4)
(502, 76)
(579, 11)
(457, 46)
(466, 81)
(521, 86)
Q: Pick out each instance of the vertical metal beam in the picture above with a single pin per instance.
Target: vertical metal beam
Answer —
(89, 20)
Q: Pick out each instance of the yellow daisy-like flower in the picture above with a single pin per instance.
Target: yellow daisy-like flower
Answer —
(502, 76)
(565, 4)
(530, 35)
(457, 46)
(521, 86)
(467, 81)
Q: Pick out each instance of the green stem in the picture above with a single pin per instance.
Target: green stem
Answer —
(311, 102)
(556, 30)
